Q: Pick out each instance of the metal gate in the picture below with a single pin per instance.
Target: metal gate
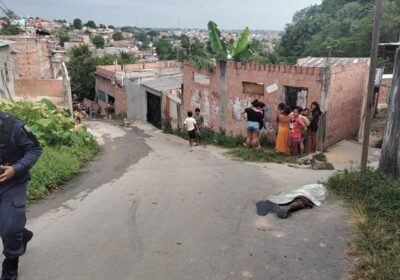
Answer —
(154, 109)
(295, 96)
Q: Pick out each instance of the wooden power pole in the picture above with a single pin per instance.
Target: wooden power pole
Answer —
(371, 83)
(390, 157)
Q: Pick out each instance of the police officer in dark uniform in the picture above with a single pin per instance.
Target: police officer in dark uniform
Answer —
(19, 151)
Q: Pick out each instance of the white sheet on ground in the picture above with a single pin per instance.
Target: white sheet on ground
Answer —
(314, 192)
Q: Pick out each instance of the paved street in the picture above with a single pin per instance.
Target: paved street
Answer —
(149, 208)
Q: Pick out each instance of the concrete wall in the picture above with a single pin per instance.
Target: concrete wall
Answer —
(37, 89)
(348, 85)
(110, 70)
(136, 101)
(113, 90)
(272, 77)
(137, 104)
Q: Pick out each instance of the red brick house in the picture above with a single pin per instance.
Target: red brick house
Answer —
(338, 84)
(111, 80)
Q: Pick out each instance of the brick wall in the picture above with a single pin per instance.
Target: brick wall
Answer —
(115, 91)
(106, 76)
(348, 85)
(32, 59)
(208, 97)
(38, 89)
(384, 90)
(109, 70)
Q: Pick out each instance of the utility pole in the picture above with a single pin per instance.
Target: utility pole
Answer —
(390, 157)
(371, 83)
(67, 87)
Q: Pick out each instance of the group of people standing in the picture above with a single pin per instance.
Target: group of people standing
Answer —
(297, 131)
(255, 122)
(91, 110)
(297, 127)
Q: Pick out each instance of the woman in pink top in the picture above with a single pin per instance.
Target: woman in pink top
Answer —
(295, 127)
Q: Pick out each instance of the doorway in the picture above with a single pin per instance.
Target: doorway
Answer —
(154, 109)
(296, 96)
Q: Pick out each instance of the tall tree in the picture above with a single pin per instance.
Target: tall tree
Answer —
(64, 37)
(98, 41)
(91, 24)
(344, 26)
(110, 59)
(77, 23)
(81, 68)
(10, 29)
(164, 49)
(117, 36)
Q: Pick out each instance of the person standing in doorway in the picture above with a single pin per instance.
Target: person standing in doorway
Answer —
(295, 127)
(314, 123)
(200, 125)
(19, 151)
(191, 126)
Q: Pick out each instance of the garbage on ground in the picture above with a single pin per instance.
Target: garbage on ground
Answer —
(284, 204)
(316, 162)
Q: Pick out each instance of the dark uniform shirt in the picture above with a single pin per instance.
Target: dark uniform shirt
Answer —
(22, 139)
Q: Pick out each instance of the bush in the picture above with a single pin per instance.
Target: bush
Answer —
(262, 155)
(50, 125)
(66, 147)
(57, 165)
(375, 198)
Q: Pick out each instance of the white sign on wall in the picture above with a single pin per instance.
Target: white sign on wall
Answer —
(272, 88)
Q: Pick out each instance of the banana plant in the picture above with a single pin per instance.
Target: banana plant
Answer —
(240, 51)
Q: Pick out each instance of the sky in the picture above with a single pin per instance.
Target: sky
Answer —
(228, 14)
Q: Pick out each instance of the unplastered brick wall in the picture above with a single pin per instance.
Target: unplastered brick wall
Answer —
(105, 79)
(32, 58)
(38, 89)
(384, 90)
(273, 78)
(113, 90)
(109, 70)
(347, 86)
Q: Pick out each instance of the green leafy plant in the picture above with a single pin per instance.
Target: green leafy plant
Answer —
(66, 147)
(375, 199)
(50, 125)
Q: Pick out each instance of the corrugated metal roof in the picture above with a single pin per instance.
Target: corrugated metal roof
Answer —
(323, 61)
(390, 44)
(164, 84)
(4, 43)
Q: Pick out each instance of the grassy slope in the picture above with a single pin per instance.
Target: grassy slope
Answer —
(56, 166)
(375, 199)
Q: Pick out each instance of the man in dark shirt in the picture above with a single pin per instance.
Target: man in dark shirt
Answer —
(19, 151)
(200, 125)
